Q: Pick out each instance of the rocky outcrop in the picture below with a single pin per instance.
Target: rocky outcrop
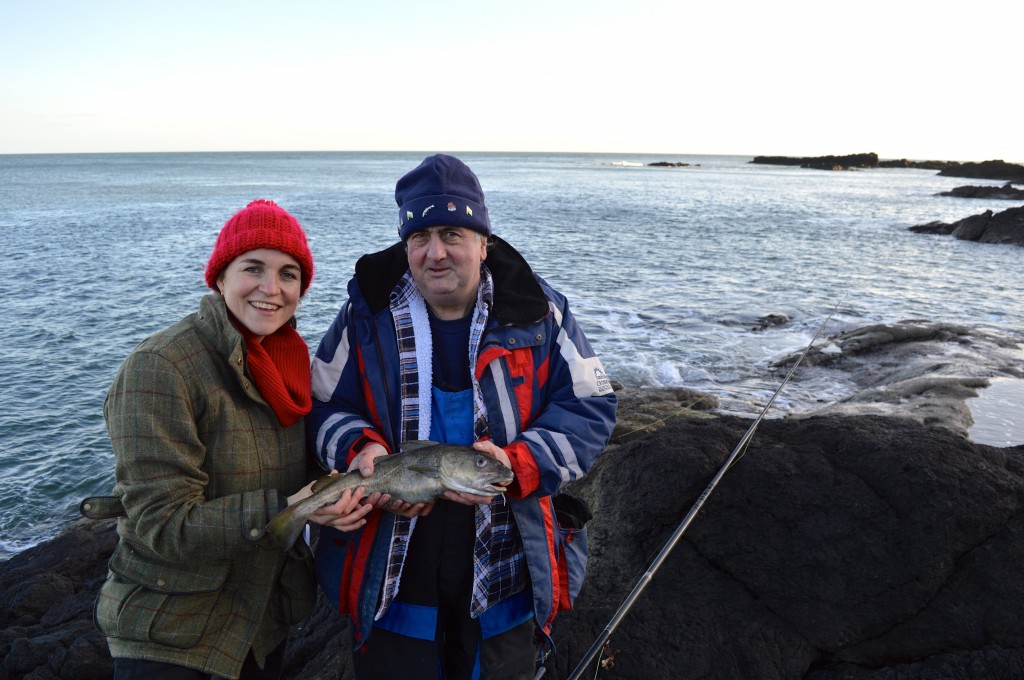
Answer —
(997, 169)
(859, 160)
(668, 164)
(1007, 192)
(837, 547)
(853, 548)
(1003, 227)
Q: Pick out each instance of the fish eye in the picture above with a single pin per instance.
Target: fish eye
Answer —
(481, 461)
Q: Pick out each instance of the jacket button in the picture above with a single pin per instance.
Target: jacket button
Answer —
(87, 507)
(160, 582)
(539, 337)
(511, 341)
(238, 361)
(254, 532)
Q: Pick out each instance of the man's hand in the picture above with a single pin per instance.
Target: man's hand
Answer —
(471, 498)
(364, 459)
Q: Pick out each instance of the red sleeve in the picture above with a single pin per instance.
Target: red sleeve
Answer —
(525, 468)
(369, 437)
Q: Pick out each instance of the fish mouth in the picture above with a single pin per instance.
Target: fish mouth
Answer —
(488, 487)
(484, 490)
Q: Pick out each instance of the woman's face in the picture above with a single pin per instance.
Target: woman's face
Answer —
(261, 288)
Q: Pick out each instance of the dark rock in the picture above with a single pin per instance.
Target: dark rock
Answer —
(668, 164)
(997, 169)
(1006, 192)
(770, 321)
(861, 547)
(46, 598)
(1004, 227)
(942, 228)
(859, 160)
(837, 547)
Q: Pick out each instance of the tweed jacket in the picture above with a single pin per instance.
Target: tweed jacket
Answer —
(202, 465)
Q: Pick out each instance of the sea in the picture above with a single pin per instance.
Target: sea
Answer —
(671, 271)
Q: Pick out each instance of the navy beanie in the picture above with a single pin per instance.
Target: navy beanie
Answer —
(440, 191)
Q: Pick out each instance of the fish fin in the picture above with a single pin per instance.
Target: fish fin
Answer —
(286, 527)
(325, 482)
(417, 444)
(425, 468)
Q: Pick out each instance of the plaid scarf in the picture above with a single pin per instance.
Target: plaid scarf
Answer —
(498, 557)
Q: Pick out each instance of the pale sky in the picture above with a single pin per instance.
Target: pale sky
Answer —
(928, 79)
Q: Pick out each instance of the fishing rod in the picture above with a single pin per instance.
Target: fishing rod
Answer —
(737, 452)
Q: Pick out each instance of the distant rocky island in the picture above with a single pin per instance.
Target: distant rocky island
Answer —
(1010, 172)
(994, 169)
(670, 164)
(849, 162)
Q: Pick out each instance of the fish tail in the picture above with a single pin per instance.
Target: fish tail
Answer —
(286, 527)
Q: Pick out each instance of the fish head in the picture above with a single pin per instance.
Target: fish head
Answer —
(474, 472)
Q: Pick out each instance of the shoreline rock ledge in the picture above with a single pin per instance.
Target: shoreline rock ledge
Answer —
(837, 547)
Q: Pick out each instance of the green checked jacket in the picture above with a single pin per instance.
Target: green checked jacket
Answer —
(202, 464)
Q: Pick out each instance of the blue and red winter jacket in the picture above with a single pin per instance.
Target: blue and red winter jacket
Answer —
(549, 405)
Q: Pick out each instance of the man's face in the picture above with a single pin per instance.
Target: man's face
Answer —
(445, 264)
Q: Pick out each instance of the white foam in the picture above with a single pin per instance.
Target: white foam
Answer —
(997, 413)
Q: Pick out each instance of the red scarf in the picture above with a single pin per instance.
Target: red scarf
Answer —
(279, 366)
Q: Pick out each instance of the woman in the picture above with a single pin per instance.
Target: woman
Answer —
(206, 423)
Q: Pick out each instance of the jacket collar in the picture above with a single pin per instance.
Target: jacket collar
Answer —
(219, 332)
(518, 297)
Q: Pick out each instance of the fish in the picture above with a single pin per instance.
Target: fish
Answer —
(423, 471)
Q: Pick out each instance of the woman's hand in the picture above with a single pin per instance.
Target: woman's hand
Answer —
(349, 512)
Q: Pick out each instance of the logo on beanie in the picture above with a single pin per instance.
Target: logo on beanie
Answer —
(451, 207)
(426, 210)
(469, 211)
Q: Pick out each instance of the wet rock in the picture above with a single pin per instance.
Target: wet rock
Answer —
(1003, 227)
(913, 369)
(771, 321)
(1007, 192)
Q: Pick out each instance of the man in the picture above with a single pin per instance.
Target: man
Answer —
(450, 336)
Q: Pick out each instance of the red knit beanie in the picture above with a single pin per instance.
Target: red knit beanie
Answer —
(261, 224)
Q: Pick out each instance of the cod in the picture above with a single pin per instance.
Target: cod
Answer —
(423, 471)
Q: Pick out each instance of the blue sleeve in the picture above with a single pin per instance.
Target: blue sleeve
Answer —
(576, 420)
(338, 418)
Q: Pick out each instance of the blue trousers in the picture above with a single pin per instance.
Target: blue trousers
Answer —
(427, 633)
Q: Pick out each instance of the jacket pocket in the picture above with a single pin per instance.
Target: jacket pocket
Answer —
(572, 515)
(150, 601)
